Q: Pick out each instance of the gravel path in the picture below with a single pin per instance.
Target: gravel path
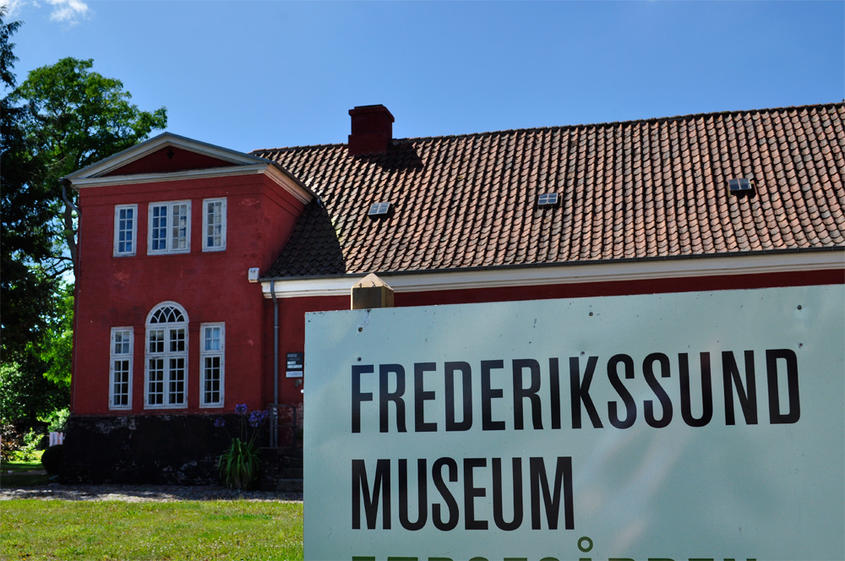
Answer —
(142, 493)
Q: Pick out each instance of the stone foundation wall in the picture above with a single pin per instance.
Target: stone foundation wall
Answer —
(168, 449)
(290, 425)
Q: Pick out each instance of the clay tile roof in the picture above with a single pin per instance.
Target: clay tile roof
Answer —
(630, 190)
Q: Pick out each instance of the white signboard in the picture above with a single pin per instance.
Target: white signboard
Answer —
(704, 425)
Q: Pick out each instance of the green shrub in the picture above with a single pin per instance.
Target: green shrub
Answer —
(53, 458)
(10, 440)
(56, 420)
(27, 447)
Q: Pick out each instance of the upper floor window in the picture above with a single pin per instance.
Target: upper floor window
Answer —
(214, 224)
(120, 370)
(170, 227)
(125, 228)
(166, 369)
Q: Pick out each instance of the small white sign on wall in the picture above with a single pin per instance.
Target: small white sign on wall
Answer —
(294, 366)
(703, 425)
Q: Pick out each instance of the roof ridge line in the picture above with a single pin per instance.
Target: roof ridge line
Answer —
(573, 126)
(300, 147)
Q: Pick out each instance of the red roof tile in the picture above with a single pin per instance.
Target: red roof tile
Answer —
(632, 190)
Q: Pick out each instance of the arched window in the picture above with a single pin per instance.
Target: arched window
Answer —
(166, 367)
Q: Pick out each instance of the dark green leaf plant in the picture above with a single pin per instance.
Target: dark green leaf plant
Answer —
(239, 466)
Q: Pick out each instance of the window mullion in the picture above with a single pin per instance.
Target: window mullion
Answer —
(167, 357)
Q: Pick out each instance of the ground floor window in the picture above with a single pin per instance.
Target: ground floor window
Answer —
(212, 347)
(166, 370)
(120, 369)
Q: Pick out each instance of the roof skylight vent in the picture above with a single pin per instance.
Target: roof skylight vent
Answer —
(545, 200)
(740, 186)
(379, 209)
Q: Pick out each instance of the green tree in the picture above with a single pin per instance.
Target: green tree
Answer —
(56, 346)
(39, 385)
(62, 118)
(74, 117)
(7, 53)
(25, 287)
(26, 398)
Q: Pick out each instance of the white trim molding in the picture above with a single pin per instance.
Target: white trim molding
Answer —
(288, 184)
(568, 274)
(219, 223)
(241, 164)
(164, 140)
(165, 345)
(210, 352)
(131, 233)
(170, 227)
(272, 172)
(122, 349)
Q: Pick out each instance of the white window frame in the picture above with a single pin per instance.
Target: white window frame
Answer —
(169, 238)
(206, 203)
(206, 353)
(115, 356)
(166, 355)
(117, 209)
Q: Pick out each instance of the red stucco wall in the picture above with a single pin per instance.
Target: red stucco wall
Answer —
(167, 160)
(292, 311)
(211, 286)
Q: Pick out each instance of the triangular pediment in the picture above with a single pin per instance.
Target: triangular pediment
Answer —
(165, 153)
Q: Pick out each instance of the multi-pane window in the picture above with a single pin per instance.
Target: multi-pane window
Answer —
(120, 375)
(166, 357)
(125, 227)
(212, 369)
(214, 224)
(170, 227)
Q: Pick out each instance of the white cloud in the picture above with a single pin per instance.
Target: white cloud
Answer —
(68, 11)
(64, 11)
(12, 7)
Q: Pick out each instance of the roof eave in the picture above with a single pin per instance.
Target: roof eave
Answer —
(617, 270)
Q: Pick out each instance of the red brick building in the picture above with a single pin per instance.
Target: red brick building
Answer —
(197, 263)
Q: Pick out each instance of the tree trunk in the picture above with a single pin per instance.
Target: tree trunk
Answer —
(70, 234)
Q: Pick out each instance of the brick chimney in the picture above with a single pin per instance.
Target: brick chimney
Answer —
(372, 129)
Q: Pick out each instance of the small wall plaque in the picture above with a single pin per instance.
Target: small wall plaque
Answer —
(294, 365)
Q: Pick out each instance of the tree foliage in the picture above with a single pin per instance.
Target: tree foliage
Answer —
(26, 397)
(24, 240)
(62, 118)
(55, 348)
(7, 54)
(74, 117)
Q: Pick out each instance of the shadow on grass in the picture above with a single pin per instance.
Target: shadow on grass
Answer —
(22, 474)
(29, 480)
(138, 493)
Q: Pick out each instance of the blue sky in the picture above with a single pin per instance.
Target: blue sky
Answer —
(249, 75)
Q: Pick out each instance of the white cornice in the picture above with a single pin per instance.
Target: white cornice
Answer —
(285, 182)
(133, 153)
(113, 180)
(569, 274)
(267, 169)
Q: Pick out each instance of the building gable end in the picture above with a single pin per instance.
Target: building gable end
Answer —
(165, 153)
(168, 159)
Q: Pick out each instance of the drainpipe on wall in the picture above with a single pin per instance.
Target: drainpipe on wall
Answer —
(274, 429)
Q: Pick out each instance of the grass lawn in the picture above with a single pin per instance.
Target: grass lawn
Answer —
(157, 531)
(21, 466)
(22, 474)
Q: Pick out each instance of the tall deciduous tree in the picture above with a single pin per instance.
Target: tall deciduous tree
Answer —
(61, 118)
(73, 118)
(25, 243)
